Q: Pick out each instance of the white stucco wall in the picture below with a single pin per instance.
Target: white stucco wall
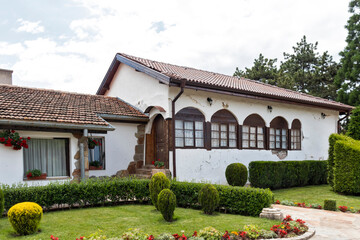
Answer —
(138, 89)
(119, 148)
(203, 165)
(11, 161)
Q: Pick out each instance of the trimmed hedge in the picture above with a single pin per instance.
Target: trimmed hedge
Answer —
(166, 204)
(285, 174)
(90, 193)
(332, 140)
(158, 182)
(239, 200)
(330, 205)
(1, 202)
(347, 167)
(25, 217)
(209, 198)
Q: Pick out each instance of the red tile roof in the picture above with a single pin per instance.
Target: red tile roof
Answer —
(231, 83)
(30, 104)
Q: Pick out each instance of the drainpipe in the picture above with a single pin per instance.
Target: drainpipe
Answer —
(82, 157)
(346, 116)
(182, 85)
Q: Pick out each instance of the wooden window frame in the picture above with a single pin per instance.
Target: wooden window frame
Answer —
(295, 126)
(103, 148)
(193, 115)
(279, 123)
(254, 121)
(256, 137)
(224, 117)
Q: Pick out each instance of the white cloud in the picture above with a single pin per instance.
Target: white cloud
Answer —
(29, 27)
(211, 35)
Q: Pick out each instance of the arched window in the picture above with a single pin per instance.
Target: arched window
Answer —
(295, 133)
(223, 130)
(253, 130)
(189, 128)
(278, 133)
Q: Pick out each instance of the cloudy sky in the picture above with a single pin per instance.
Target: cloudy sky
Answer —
(69, 44)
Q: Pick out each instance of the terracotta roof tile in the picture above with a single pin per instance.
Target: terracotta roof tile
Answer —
(32, 104)
(234, 83)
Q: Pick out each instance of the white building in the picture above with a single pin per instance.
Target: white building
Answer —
(219, 120)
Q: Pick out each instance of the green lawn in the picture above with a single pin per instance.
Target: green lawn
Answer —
(316, 194)
(113, 221)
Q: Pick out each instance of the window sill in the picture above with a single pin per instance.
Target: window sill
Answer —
(47, 179)
(95, 169)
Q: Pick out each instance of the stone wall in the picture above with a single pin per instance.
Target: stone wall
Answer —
(77, 170)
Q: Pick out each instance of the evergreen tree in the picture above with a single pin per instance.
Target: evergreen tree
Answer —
(348, 76)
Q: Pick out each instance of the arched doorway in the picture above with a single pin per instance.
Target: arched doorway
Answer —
(157, 142)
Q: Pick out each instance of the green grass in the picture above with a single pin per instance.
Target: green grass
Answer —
(316, 194)
(113, 221)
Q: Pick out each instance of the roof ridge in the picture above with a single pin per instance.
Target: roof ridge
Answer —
(56, 91)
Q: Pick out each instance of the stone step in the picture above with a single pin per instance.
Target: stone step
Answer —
(141, 176)
(146, 171)
(149, 166)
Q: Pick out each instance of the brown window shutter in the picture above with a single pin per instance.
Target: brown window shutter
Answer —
(267, 138)
(207, 136)
(239, 136)
(288, 139)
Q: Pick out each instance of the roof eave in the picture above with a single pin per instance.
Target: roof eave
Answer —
(55, 125)
(241, 93)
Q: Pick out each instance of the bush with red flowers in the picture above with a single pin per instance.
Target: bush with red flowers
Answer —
(343, 208)
(288, 227)
(92, 143)
(10, 138)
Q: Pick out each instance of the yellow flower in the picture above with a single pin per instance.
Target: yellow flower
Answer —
(235, 233)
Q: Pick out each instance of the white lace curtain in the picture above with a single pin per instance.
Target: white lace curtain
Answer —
(48, 155)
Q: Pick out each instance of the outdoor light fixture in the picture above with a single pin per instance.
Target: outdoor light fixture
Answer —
(323, 115)
(269, 108)
(210, 101)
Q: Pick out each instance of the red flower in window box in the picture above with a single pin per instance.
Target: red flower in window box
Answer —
(92, 143)
(35, 174)
(10, 138)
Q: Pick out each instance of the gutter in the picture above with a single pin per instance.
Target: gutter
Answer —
(46, 124)
(124, 118)
(182, 85)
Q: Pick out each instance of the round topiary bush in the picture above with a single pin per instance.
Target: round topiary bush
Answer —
(2, 202)
(25, 217)
(167, 204)
(209, 198)
(158, 182)
(236, 174)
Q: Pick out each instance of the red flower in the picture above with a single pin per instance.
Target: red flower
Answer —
(2, 139)
(226, 235)
(287, 218)
(153, 162)
(277, 202)
(176, 236)
(30, 175)
(12, 131)
(151, 237)
(183, 237)
(195, 234)
(28, 138)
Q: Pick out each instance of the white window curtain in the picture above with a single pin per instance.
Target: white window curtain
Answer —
(47, 155)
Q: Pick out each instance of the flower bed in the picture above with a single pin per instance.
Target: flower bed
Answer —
(286, 229)
(316, 206)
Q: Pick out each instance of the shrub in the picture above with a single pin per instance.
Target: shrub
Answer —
(167, 203)
(236, 174)
(332, 140)
(208, 198)
(237, 200)
(2, 202)
(347, 167)
(158, 182)
(25, 217)
(285, 174)
(330, 205)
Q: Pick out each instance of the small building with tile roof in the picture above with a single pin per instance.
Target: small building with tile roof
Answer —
(201, 121)
(57, 123)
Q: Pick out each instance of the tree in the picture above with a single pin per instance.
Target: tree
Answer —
(348, 76)
(264, 70)
(305, 70)
(353, 127)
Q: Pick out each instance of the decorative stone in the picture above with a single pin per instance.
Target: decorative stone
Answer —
(165, 171)
(272, 213)
(132, 168)
(122, 174)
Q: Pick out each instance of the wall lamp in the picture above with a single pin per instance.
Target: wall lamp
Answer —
(323, 115)
(210, 101)
(269, 108)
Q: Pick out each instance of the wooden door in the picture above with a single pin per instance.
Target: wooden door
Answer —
(156, 142)
(160, 139)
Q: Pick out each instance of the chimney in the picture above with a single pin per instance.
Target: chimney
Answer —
(6, 76)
